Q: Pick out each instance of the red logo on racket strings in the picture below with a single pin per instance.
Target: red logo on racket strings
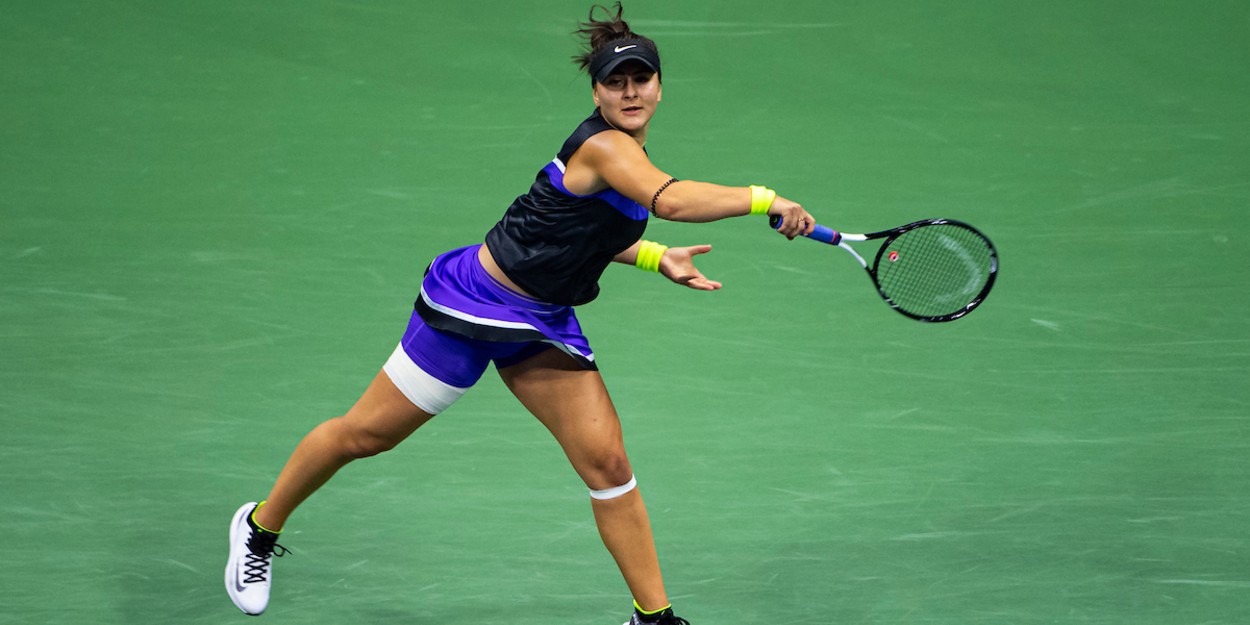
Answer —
(893, 256)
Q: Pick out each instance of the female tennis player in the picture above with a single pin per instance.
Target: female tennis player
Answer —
(510, 301)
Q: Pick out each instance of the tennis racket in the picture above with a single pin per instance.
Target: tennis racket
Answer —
(931, 270)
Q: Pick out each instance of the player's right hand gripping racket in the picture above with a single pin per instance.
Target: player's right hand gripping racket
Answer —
(931, 270)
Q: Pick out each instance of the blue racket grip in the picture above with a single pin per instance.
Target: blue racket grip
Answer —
(824, 234)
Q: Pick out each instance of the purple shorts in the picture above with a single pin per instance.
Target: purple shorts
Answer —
(459, 360)
(464, 319)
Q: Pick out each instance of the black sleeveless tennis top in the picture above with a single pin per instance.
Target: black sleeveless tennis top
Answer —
(555, 244)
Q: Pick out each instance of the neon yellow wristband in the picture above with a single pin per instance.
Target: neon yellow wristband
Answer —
(649, 255)
(761, 199)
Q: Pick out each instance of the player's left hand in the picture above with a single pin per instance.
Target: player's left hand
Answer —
(677, 265)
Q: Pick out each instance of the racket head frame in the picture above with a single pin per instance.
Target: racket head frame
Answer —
(892, 234)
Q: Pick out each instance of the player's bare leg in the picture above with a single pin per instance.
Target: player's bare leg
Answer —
(574, 405)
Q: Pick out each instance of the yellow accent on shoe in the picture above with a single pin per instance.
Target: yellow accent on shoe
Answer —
(262, 527)
(652, 612)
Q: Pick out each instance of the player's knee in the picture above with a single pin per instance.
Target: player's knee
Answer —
(609, 471)
(362, 443)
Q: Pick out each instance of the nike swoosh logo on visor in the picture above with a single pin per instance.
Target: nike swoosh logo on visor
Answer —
(619, 49)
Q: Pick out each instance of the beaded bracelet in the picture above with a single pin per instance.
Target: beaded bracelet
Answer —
(655, 198)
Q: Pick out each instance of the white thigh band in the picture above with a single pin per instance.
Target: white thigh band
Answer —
(422, 389)
(613, 493)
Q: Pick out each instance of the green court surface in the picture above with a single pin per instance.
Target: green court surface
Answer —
(214, 217)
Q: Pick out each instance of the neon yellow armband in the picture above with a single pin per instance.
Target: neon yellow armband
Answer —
(649, 255)
(761, 199)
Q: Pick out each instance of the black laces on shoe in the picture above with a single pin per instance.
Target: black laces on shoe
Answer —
(263, 547)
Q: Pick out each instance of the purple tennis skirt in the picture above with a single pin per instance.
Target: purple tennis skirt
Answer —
(464, 318)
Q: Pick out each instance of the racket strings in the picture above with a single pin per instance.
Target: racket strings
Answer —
(935, 270)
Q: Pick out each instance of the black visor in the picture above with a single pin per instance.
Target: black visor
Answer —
(612, 55)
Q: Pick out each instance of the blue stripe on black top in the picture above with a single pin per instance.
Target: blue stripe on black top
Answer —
(626, 206)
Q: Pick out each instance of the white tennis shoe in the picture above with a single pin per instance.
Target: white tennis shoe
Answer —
(249, 571)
